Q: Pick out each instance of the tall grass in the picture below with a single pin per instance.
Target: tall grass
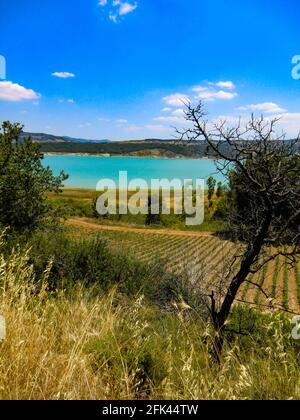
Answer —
(82, 346)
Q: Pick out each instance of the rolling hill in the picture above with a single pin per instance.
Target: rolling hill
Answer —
(50, 138)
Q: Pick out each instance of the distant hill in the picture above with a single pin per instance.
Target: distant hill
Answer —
(141, 148)
(67, 138)
(156, 148)
(50, 138)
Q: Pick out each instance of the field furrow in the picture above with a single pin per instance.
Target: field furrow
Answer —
(209, 258)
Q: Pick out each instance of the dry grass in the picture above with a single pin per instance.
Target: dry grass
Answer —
(82, 347)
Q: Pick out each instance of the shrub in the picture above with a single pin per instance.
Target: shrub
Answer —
(24, 181)
(89, 261)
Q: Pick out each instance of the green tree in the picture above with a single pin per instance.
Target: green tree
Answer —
(24, 181)
(211, 184)
(153, 219)
(220, 190)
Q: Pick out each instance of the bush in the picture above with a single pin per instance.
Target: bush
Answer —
(93, 262)
(24, 181)
(88, 261)
(221, 210)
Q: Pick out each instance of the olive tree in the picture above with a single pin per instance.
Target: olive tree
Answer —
(24, 181)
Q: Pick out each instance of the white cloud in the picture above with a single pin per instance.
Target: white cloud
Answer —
(209, 94)
(231, 120)
(126, 8)
(14, 92)
(177, 115)
(118, 9)
(179, 112)
(291, 116)
(178, 99)
(267, 107)
(215, 91)
(121, 121)
(63, 74)
(225, 85)
(288, 123)
(113, 18)
(199, 89)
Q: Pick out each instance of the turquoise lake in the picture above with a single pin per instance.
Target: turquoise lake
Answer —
(86, 171)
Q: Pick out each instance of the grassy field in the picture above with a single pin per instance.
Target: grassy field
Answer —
(203, 255)
(81, 203)
(83, 321)
(91, 346)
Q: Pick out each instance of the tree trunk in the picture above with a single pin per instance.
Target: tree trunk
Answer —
(220, 317)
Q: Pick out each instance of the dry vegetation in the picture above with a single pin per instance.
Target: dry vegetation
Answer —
(78, 346)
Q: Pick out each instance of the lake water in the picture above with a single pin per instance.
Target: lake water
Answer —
(86, 171)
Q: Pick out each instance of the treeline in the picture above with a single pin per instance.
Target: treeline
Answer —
(126, 148)
(164, 148)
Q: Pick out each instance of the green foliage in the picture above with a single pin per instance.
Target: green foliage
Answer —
(221, 208)
(69, 207)
(144, 148)
(92, 262)
(134, 347)
(211, 184)
(125, 346)
(154, 349)
(82, 203)
(220, 190)
(249, 325)
(23, 181)
(248, 206)
(88, 261)
(152, 219)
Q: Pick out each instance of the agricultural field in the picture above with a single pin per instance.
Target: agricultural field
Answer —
(75, 202)
(205, 258)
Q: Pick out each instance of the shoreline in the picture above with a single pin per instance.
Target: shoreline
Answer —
(106, 155)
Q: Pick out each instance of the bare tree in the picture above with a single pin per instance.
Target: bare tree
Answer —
(263, 169)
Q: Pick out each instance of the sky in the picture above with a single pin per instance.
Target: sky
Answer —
(121, 69)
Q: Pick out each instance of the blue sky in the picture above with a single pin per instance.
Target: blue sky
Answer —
(119, 69)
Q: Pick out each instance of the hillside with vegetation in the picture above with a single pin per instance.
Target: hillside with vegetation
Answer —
(50, 138)
(153, 148)
(102, 307)
(136, 148)
(144, 148)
